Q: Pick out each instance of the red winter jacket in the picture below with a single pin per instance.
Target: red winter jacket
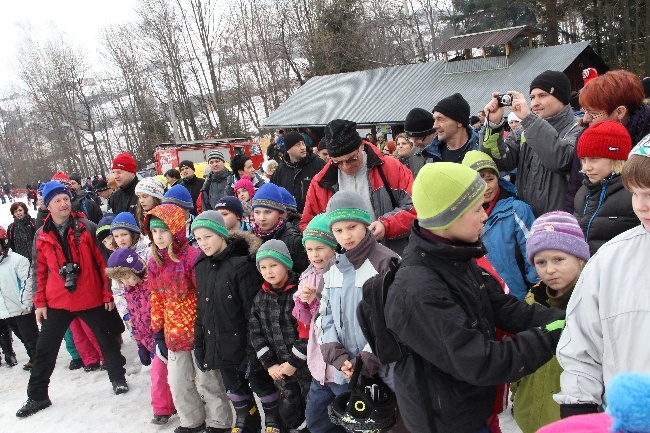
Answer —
(92, 287)
(396, 219)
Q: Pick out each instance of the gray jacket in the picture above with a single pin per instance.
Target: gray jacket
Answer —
(214, 188)
(542, 159)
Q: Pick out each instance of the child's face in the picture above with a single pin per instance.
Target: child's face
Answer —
(146, 201)
(469, 227)
(19, 213)
(318, 253)
(209, 242)
(492, 181)
(230, 219)
(265, 218)
(109, 243)
(274, 272)
(596, 169)
(349, 233)
(557, 269)
(641, 205)
(243, 195)
(122, 238)
(131, 280)
(162, 238)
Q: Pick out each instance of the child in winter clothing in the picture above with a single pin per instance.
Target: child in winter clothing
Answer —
(173, 315)
(340, 335)
(227, 281)
(602, 205)
(274, 334)
(20, 233)
(150, 191)
(557, 249)
(269, 224)
(16, 304)
(232, 212)
(507, 226)
(244, 191)
(130, 270)
(104, 234)
(320, 244)
(180, 196)
(609, 305)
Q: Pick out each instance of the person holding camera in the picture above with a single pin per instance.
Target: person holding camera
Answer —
(544, 155)
(70, 283)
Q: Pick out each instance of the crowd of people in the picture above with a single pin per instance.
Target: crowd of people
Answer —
(514, 242)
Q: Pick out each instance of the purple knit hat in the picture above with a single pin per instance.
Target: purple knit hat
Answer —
(556, 230)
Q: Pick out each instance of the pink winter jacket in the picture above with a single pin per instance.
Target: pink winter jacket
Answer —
(307, 314)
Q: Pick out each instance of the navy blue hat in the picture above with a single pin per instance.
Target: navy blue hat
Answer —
(288, 200)
(124, 259)
(180, 196)
(104, 226)
(270, 197)
(231, 204)
(51, 189)
(126, 221)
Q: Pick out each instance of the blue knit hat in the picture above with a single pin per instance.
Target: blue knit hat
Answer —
(231, 204)
(270, 197)
(288, 200)
(51, 189)
(104, 226)
(126, 221)
(180, 196)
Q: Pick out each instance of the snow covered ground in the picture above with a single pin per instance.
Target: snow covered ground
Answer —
(85, 401)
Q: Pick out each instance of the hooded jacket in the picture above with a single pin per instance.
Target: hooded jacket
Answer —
(447, 311)
(82, 202)
(226, 285)
(124, 198)
(396, 220)
(14, 272)
(296, 178)
(214, 188)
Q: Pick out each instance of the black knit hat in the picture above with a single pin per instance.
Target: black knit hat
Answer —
(419, 123)
(322, 144)
(186, 163)
(554, 83)
(473, 120)
(342, 137)
(291, 139)
(646, 86)
(455, 107)
(76, 177)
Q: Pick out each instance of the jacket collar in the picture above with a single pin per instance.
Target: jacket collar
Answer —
(330, 179)
(301, 162)
(431, 252)
(266, 287)
(130, 188)
(434, 149)
(561, 120)
(358, 255)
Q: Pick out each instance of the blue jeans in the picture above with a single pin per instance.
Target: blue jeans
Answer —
(318, 399)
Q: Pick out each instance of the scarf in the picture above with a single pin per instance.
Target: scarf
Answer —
(265, 236)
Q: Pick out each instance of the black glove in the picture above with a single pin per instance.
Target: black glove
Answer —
(144, 354)
(199, 356)
(371, 364)
(160, 346)
(567, 410)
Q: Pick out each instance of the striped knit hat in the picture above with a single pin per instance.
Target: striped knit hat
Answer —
(346, 206)
(104, 226)
(180, 196)
(215, 154)
(317, 230)
(288, 200)
(151, 186)
(443, 191)
(270, 197)
(63, 178)
(126, 221)
(275, 249)
(211, 220)
(557, 230)
(477, 161)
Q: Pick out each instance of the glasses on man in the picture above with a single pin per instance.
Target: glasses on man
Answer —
(348, 161)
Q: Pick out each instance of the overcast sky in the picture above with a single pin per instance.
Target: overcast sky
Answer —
(82, 20)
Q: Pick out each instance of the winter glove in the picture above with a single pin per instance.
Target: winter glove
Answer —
(371, 364)
(567, 410)
(491, 143)
(199, 358)
(554, 329)
(160, 346)
(144, 354)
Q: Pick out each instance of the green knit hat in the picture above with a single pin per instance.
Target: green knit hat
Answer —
(346, 206)
(275, 249)
(157, 223)
(317, 230)
(211, 220)
(477, 161)
(443, 191)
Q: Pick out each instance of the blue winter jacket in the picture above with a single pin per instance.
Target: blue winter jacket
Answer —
(433, 152)
(504, 236)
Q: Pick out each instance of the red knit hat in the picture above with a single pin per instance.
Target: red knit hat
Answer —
(588, 75)
(607, 139)
(124, 161)
(63, 178)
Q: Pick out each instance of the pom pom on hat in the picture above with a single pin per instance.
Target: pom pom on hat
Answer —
(275, 249)
(477, 161)
(443, 192)
(125, 221)
(455, 107)
(211, 220)
(269, 197)
(124, 260)
(124, 161)
(180, 196)
(557, 230)
(51, 189)
(151, 186)
(231, 204)
(247, 183)
(318, 230)
(346, 206)
(342, 137)
(606, 139)
(64, 179)
(419, 123)
(554, 83)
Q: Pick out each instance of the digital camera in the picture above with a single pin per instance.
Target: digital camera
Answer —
(505, 100)
(70, 272)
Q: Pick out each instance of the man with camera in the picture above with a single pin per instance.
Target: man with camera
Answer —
(544, 155)
(70, 283)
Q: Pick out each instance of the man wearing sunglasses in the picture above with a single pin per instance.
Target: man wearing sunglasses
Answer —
(383, 183)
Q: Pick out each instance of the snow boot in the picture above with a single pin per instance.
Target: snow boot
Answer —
(8, 350)
(198, 429)
(248, 416)
(92, 367)
(120, 386)
(272, 419)
(32, 406)
(76, 364)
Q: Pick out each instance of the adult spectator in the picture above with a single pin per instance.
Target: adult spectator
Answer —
(404, 146)
(173, 177)
(389, 148)
(383, 182)
(83, 201)
(297, 169)
(279, 142)
(215, 185)
(475, 123)
(481, 116)
(70, 282)
(191, 181)
(242, 165)
(322, 150)
(419, 127)
(20, 233)
(104, 192)
(124, 198)
(544, 156)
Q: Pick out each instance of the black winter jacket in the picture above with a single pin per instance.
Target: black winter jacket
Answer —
(296, 178)
(604, 210)
(226, 285)
(292, 237)
(446, 309)
(194, 186)
(82, 201)
(124, 199)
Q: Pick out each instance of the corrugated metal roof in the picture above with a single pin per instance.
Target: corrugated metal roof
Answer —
(487, 39)
(386, 95)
